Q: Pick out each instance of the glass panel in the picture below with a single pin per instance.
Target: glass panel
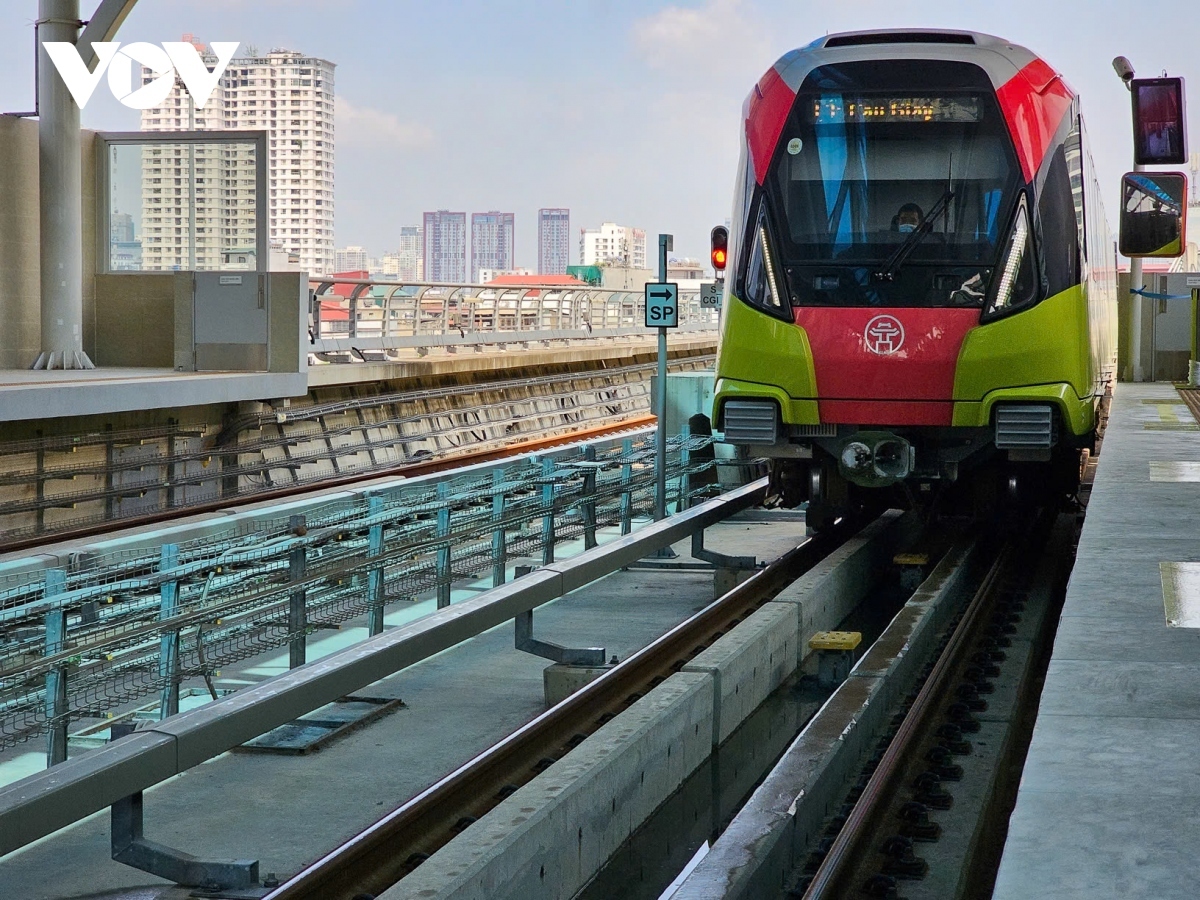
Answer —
(892, 185)
(183, 206)
(852, 184)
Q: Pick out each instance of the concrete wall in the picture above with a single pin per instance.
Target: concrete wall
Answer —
(287, 302)
(20, 274)
(138, 318)
(20, 253)
(147, 319)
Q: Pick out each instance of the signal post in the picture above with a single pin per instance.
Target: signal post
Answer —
(662, 312)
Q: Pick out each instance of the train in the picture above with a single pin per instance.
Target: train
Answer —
(920, 300)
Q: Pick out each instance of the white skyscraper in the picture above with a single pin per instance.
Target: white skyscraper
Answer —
(286, 94)
(611, 243)
(350, 259)
(411, 263)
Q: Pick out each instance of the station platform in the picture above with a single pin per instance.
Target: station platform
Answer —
(1109, 801)
(287, 810)
(36, 395)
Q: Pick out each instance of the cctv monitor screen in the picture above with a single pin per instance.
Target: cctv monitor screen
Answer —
(1159, 131)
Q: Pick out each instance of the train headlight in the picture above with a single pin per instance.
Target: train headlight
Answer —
(856, 457)
(1015, 285)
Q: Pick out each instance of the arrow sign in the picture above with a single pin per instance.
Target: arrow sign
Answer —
(662, 305)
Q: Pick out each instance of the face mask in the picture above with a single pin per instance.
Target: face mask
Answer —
(907, 227)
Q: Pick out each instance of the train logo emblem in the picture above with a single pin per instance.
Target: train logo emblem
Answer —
(884, 335)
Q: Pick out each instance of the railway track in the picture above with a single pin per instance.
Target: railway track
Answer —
(372, 861)
(927, 816)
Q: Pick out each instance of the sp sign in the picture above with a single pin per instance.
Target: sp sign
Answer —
(662, 305)
(171, 59)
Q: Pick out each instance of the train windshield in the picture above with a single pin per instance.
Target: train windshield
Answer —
(873, 151)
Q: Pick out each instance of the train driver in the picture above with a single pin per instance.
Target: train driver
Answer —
(908, 219)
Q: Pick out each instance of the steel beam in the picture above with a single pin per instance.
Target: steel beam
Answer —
(102, 26)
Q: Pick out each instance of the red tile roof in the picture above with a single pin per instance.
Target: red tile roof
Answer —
(341, 290)
(535, 280)
(332, 311)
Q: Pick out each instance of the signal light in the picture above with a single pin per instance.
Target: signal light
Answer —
(719, 239)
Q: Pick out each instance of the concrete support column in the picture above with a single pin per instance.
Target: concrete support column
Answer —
(61, 184)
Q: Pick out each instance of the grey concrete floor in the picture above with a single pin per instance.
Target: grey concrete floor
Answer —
(1109, 805)
(286, 811)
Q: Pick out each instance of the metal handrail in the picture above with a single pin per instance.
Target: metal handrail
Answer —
(98, 633)
(420, 315)
(46, 801)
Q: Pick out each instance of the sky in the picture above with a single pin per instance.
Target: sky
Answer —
(623, 111)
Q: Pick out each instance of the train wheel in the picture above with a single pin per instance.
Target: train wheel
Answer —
(828, 497)
(789, 482)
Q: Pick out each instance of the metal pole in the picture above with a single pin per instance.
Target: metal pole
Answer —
(588, 510)
(626, 489)
(685, 461)
(548, 511)
(660, 454)
(499, 561)
(168, 651)
(1136, 312)
(1124, 70)
(444, 573)
(56, 678)
(297, 602)
(60, 179)
(375, 576)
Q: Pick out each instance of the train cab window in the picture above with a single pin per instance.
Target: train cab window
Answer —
(1058, 216)
(869, 150)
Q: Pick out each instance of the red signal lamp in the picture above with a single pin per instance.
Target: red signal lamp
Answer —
(719, 240)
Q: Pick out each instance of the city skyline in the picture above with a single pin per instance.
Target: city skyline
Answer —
(637, 122)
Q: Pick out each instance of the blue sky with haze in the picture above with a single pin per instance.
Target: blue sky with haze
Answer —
(622, 111)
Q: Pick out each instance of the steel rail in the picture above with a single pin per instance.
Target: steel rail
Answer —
(46, 801)
(379, 856)
(835, 879)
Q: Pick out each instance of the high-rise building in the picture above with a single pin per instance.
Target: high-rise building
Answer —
(611, 243)
(410, 265)
(491, 242)
(125, 249)
(350, 259)
(286, 94)
(122, 230)
(554, 241)
(445, 253)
